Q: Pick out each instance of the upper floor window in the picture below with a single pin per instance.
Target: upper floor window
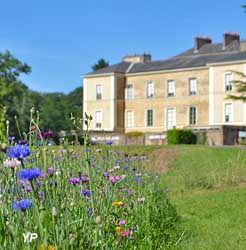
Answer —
(170, 88)
(228, 112)
(171, 118)
(192, 115)
(150, 89)
(129, 119)
(98, 119)
(149, 118)
(99, 92)
(129, 91)
(228, 81)
(192, 86)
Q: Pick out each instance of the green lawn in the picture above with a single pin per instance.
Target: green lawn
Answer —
(208, 187)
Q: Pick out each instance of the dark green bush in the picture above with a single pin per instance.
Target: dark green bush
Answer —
(180, 136)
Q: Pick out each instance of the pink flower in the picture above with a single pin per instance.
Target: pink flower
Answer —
(122, 222)
(142, 199)
(11, 163)
(126, 233)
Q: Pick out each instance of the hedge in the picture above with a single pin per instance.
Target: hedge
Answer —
(180, 136)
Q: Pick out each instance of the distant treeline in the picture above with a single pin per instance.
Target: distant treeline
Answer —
(54, 108)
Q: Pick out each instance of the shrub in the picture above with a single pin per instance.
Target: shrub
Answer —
(180, 136)
(135, 134)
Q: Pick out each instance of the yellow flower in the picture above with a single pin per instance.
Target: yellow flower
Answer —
(41, 247)
(51, 247)
(118, 203)
(117, 230)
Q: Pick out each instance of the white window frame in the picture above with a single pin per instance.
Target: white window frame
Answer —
(228, 84)
(127, 125)
(172, 124)
(99, 87)
(146, 118)
(224, 112)
(98, 122)
(193, 86)
(189, 114)
(170, 89)
(132, 92)
(150, 90)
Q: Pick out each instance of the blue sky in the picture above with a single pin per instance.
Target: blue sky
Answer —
(61, 39)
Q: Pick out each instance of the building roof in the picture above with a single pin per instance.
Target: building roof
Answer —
(116, 68)
(207, 54)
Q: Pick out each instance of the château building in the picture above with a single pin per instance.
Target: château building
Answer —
(188, 90)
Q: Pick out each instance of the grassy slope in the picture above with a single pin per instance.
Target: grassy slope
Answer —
(208, 186)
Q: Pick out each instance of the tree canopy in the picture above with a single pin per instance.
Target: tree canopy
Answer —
(17, 99)
(101, 63)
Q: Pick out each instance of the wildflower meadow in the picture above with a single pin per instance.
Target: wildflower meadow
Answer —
(80, 197)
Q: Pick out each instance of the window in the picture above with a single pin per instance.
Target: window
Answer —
(192, 115)
(129, 92)
(129, 118)
(228, 112)
(170, 88)
(150, 89)
(171, 118)
(228, 81)
(149, 118)
(98, 119)
(99, 92)
(192, 86)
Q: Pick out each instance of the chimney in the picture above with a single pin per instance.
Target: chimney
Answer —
(145, 58)
(201, 41)
(228, 38)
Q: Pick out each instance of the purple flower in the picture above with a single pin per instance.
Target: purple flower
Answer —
(86, 192)
(51, 170)
(22, 142)
(74, 181)
(18, 151)
(23, 205)
(29, 174)
(84, 178)
(136, 180)
(109, 143)
(106, 174)
(45, 135)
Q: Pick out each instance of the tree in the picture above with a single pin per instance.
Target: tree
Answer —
(101, 63)
(12, 90)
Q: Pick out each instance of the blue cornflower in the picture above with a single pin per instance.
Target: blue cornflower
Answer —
(109, 143)
(86, 192)
(18, 151)
(125, 168)
(23, 205)
(29, 174)
(15, 206)
(136, 180)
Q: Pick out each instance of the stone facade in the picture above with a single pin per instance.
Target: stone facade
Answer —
(198, 98)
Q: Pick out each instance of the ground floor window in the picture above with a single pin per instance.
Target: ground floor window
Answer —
(98, 119)
(171, 118)
(129, 119)
(228, 112)
(149, 118)
(192, 115)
